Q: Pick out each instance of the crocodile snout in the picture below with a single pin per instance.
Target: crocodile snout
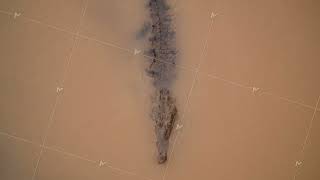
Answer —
(162, 157)
(162, 145)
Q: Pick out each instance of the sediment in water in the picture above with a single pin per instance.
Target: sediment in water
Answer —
(162, 49)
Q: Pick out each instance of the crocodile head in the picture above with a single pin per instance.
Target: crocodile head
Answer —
(162, 146)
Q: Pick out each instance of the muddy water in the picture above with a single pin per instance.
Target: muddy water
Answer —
(229, 131)
(102, 113)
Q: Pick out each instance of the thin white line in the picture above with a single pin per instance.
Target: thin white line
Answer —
(105, 43)
(45, 137)
(229, 82)
(66, 154)
(178, 132)
(130, 51)
(123, 171)
(69, 154)
(307, 136)
(47, 25)
(37, 22)
(202, 55)
(206, 44)
(167, 62)
(69, 32)
(126, 172)
(93, 39)
(82, 16)
(189, 96)
(6, 12)
(264, 92)
(74, 46)
(57, 99)
(84, 11)
(17, 138)
(51, 119)
(289, 100)
(310, 126)
(76, 35)
(37, 164)
(59, 150)
(30, 142)
(90, 160)
(46, 147)
(63, 152)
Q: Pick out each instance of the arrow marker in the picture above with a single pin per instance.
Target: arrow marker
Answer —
(255, 89)
(136, 51)
(16, 15)
(298, 163)
(59, 89)
(102, 163)
(213, 15)
(179, 126)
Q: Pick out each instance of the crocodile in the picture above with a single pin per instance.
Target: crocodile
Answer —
(162, 71)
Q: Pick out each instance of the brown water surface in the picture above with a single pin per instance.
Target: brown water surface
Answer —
(97, 125)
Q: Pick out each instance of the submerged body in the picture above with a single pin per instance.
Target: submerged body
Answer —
(164, 114)
(162, 70)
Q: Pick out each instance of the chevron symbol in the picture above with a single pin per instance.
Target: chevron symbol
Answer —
(102, 163)
(255, 89)
(16, 14)
(213, 15)
(179, 126)
(59, 89)
(298, 163)
(136, 51)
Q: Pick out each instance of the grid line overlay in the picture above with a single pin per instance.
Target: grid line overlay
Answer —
(191, 69)
(195, 77)
(306, 139)
(51, 119)
(76, 35)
